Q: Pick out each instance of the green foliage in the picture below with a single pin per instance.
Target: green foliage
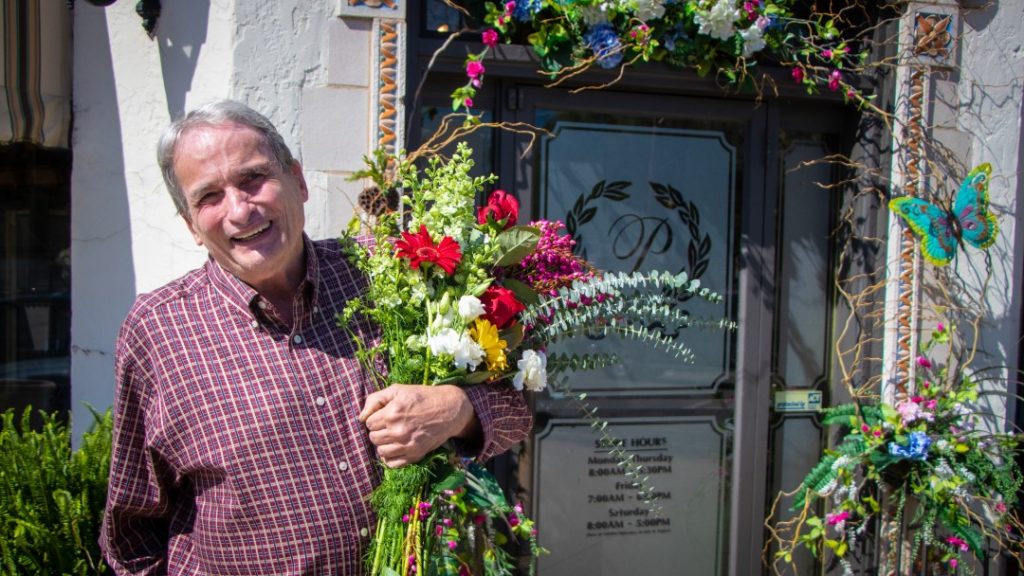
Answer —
(52, 499)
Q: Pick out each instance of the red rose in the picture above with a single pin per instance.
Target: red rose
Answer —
(500, 306)
(502, 208)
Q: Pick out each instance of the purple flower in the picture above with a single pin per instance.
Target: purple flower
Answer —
(605, 44)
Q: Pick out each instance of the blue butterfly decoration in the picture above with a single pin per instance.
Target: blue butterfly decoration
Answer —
(941, 229)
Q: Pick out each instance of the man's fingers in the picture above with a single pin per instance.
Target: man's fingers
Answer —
(374, 402)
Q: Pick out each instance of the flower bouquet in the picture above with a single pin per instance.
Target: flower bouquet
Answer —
(465, 296)
(927, 462)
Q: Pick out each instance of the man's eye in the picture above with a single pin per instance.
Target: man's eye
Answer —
(206, 198)
(253, 179)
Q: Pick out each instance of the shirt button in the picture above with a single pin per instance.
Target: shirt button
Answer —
(320, 400)
(255, 324)
(316, 309)
(262, 305)
(297, 339)
(364, 532)
(343, 466)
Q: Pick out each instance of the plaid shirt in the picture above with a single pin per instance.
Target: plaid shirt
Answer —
(237, 449)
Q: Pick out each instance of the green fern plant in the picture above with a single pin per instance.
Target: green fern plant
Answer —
(52, 498)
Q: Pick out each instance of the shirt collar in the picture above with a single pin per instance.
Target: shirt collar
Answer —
(242, 296)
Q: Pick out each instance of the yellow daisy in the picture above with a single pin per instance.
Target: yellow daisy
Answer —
(486, 335)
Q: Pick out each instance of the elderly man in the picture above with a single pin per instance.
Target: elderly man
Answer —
(246, 433)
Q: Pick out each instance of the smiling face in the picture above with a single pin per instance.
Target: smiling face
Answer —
(243, 206)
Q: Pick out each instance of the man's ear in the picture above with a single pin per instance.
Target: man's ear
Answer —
(296, 171)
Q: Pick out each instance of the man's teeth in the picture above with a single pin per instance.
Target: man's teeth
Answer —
(254, 234)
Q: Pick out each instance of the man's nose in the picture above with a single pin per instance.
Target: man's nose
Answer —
(239, 205)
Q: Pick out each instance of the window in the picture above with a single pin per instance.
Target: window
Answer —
(35, 277)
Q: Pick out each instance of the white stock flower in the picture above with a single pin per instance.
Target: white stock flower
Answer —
(650, 9)
(533, 371)
(468, 354)
(444, 342)
(470, 308)
(718, 21)
(753, 41)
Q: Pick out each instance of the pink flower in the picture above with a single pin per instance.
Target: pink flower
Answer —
(953, 563)
(1000, 507)
(838, 517)
(798, 74)
(509, 7)
(958, 543)
(452, 544)
(838, 520)
(877, 433)
(490, 37)
(468, 102)
(851, 94)
(931, 404)
(826, 54)
(924, 362)
(865, 428)
(940, 328)
(833, 80)
(474, 69)
(438, 530)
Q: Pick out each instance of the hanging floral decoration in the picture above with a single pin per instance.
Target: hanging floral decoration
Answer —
(928, 461)
(727, 38)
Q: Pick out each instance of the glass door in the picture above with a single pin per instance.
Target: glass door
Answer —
(652, 183)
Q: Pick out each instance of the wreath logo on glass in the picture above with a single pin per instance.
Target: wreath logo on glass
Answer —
(635, 237)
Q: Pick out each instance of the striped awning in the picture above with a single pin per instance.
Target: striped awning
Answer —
(35, 102)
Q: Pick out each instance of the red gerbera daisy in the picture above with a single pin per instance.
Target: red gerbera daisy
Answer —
(420, 248)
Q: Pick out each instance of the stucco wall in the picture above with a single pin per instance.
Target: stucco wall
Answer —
(306, 69)
(990, 100)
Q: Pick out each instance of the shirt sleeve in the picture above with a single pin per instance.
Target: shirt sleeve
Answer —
(505, 418)
(134, 535)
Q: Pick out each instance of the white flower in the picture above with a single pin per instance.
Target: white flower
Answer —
(444, 342)
(718, 21)
(470, 308)
(650, 9)
(467, 353)
(592, 16)
(753, 40)
(533, 371)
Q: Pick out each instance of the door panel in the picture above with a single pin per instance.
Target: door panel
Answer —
(645, 183)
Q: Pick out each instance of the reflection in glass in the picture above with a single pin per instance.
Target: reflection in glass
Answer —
(804, 265)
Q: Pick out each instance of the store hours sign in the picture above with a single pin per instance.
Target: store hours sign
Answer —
(591, 518)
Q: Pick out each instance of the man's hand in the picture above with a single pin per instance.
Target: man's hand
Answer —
(407, 421)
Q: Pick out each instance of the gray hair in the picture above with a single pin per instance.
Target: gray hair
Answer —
(216, 113)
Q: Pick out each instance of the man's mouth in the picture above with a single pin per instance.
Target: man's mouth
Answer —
(255, 233)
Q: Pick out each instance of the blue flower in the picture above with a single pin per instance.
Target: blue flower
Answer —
(525, 9)
(676, 34)
(916, 448)
(605, 44)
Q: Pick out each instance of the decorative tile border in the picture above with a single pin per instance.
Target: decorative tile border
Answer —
(389, 85)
